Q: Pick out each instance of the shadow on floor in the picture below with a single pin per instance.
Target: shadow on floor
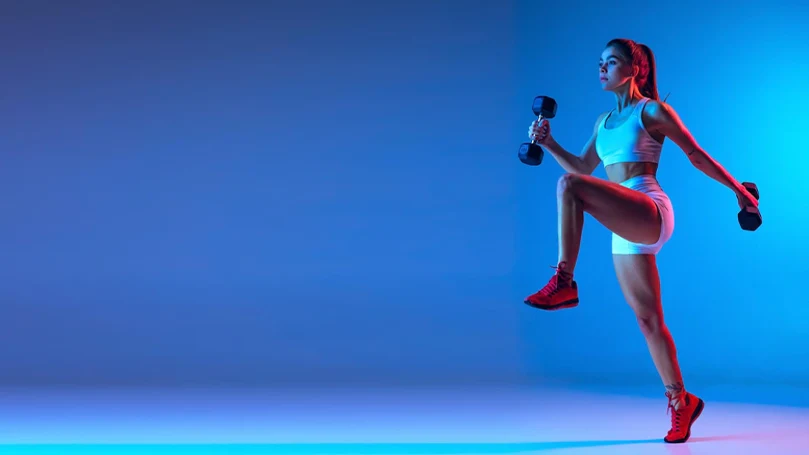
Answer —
(387, 448)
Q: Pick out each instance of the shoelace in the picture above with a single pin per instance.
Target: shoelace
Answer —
(675, 415)
(553, 285)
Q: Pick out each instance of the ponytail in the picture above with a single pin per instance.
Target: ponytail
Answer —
(649, 87)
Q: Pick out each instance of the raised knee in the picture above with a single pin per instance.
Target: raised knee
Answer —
(567, 183)
(649, 323)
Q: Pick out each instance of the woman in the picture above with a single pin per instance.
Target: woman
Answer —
(628, 140)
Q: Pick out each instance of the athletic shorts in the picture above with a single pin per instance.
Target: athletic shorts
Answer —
(648, 185)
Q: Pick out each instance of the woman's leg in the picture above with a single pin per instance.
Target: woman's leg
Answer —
(640, 283)
(628, 213)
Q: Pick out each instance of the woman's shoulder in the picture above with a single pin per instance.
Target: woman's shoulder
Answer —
(600, 120)
(657, 112)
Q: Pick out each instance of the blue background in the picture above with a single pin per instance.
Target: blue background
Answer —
(245, 193)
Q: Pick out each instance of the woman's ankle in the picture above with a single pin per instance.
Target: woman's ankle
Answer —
(676, 393)
(564, 273)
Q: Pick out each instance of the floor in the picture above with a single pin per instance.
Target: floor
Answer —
(407, 421)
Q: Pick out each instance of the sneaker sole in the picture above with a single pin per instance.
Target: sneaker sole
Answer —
(694, 417)
(558, 306)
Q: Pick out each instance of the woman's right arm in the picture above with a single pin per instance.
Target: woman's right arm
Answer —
(581, 164)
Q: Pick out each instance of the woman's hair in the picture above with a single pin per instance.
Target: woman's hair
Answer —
(640, 55)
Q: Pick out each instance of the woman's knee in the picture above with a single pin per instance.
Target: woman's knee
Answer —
(567, 183)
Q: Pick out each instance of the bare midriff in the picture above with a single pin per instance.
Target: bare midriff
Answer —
(621, 172)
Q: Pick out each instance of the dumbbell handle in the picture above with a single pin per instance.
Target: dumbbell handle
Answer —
(539, 120)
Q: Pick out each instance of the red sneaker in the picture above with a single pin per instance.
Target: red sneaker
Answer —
(682, 419)
(556, 295)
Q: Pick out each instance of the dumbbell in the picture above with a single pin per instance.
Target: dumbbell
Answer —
(750, 217)
(530, 153)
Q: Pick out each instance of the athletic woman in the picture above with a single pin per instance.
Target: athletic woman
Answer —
(631, 204)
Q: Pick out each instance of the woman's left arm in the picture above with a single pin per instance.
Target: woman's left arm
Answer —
(666, 121)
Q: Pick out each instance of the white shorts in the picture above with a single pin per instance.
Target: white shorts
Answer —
(648, 185)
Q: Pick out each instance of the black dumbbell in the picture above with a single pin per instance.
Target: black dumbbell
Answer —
(530, 153)
(750, 217)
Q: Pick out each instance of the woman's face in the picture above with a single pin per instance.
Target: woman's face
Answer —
(614, 70)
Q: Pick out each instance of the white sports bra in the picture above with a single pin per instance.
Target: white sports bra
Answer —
(628, 142)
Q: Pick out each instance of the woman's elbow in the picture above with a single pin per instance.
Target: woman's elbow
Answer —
(698, 158)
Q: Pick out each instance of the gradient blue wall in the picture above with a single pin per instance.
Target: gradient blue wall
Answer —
(255, 193)
(245, 193)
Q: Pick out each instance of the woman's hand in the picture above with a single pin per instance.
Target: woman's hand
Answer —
(745, 198)
(540, 132)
